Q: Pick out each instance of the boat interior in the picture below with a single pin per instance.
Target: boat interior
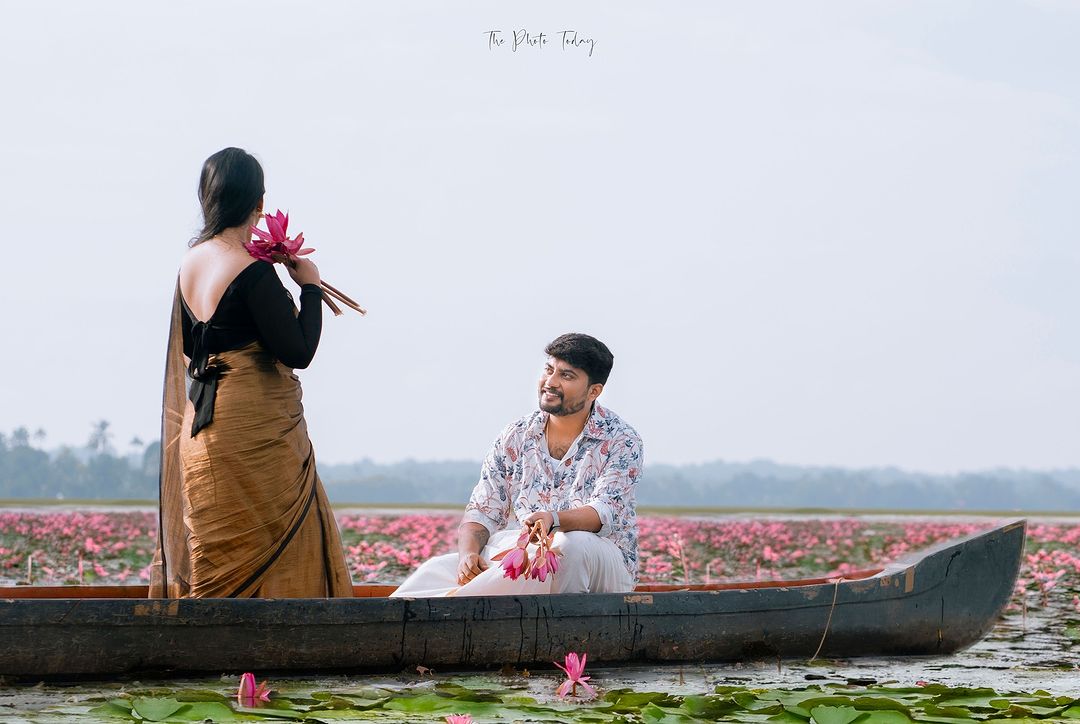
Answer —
(379, 590)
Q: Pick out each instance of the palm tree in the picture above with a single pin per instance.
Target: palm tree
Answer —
(20, 437)
(100, 436)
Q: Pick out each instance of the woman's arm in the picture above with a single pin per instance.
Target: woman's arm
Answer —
(291, 338)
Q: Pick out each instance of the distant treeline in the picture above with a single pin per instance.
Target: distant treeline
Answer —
(95, 470)
(98, 470)
(759, 484)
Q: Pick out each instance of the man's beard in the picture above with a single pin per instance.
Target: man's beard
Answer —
(561, 409)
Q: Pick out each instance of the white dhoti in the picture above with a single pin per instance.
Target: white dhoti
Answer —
(588, 564)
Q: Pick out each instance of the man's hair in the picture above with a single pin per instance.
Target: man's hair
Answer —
(584, 352)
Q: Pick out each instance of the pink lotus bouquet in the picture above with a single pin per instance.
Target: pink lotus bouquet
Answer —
(274, 245)
(516, 563)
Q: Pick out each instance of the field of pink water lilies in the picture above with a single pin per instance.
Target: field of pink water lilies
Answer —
(93, 547)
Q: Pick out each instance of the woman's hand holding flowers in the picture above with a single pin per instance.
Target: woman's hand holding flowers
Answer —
(303, 271)
(276, 246)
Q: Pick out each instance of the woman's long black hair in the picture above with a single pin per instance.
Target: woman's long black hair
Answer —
(230, 187)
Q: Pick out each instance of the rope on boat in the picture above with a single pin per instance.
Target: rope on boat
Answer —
(836, 591)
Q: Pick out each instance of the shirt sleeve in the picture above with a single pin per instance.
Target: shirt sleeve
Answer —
(291, 338)
(489, 504)
(614, 495)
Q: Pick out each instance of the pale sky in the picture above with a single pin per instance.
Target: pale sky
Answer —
(817, 232)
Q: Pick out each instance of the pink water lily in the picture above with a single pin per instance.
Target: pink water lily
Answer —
(575, 667)
(545, 564)
(276, 241)
(248, 694)
(515, 563)
(459, 719)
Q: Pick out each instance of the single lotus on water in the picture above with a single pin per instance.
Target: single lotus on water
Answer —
(249, 695)
(574, 668)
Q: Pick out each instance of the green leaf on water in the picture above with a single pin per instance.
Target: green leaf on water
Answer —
(202, 710)
(832, 701)
(338, 702)
(787, 716)
(728, 689)
(189, 695)
(461, 693)
(653, 714)
(885, 716)
(967, 698)
(342, 715)
(763, 703)
(708, 707)
(835, 714)
(1072, 633)
(1073, 712)
(947, 712)
(353, 703)
(879, 703)
(435, 704)
(628, 701)
(362, 692)
(155, 709)
(274, 710)
(113, 709)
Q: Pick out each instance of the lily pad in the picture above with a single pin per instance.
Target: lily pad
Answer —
(835, 714)
(202, 710)
(109, 709)
(155, 709)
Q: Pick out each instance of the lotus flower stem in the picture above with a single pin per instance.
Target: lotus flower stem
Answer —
(329, 290)
(342, 296)
(329, 301)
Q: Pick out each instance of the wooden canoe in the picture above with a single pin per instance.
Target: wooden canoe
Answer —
(935, 602)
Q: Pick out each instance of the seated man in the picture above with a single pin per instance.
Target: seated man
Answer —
(572, 465)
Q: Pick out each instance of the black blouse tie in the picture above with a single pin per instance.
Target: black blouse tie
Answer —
(204, 378)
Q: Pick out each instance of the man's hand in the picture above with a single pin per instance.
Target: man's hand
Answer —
(472, 537)
(546, 521)
(470, 565)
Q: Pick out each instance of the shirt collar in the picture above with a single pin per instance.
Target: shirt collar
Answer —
(596, 426)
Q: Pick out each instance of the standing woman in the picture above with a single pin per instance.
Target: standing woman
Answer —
(242, 510)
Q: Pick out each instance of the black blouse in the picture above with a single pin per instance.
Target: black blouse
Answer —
(255, 306)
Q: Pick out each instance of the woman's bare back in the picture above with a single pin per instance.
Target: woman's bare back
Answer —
(206, 272)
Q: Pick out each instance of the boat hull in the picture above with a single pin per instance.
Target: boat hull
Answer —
(936, 602)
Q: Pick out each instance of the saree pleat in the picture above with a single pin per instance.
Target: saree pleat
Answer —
(243, 512)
